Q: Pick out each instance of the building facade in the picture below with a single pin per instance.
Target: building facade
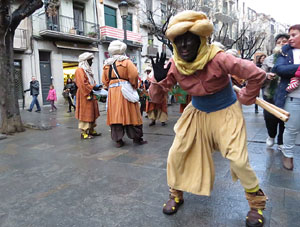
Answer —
(112, 28)
(55, 42)
(48, 43)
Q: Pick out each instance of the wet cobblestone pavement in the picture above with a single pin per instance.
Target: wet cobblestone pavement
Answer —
(52, 178)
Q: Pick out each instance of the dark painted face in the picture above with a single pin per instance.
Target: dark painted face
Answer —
(90, 61)
(187, 46)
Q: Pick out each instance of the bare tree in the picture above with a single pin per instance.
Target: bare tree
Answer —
(158, 27)
(9, 20)
(249, 42)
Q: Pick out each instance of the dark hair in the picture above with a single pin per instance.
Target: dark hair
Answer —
(295, 27)
(259, 58)
(281, 35)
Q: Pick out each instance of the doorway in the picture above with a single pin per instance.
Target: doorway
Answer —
(19, 81)
(45, 70)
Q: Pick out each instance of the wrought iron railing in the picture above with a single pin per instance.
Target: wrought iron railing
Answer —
(69, 25)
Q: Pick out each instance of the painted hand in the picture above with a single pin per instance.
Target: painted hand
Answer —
(160, 72)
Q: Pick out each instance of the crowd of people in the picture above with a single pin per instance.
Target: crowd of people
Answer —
(212, 117)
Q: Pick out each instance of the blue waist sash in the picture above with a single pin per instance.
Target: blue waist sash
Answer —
(218, 101)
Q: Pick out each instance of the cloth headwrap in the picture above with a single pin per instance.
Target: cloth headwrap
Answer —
(117, 50)
(198, 24)
(83, 58)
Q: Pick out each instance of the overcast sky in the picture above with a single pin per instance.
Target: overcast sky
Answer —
(284, 11)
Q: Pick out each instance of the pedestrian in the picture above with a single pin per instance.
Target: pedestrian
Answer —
(259, 63)
(286, 67)
(143, 94)
(52, 98)
(87, 110)
(157, 111)
(273, 124)
(73, 92)
(122, 115)
(213, 120)
(69, 90)
(34, 92)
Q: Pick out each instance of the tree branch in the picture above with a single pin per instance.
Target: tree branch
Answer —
(4, 15)
(24, 10)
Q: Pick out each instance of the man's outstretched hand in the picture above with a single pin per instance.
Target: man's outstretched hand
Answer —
(160, 72)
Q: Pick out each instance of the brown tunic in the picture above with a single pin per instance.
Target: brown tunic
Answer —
(119, 110)
(86, 110)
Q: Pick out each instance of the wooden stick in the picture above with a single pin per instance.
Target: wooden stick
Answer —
(282, 115)
(277, 108)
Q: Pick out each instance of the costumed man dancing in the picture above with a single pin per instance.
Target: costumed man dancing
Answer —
(122, 115)
(213, 120)
(87, 110)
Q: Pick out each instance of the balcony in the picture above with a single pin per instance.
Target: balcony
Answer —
(66, 28)
(20, 40)
(205, 8)
(225, 17)
(108, 34)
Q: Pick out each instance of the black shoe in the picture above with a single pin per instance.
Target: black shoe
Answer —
(29, 110)
(152, 123)
(38, 111)
(163, 124)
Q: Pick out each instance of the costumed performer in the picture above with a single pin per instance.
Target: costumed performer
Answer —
(213, 120)
(157, 111)
(87, 110)
(122, 115)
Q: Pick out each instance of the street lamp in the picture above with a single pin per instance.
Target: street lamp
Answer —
(123, 6)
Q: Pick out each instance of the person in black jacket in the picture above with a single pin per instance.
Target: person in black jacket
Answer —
(70, 89)
(34, 92)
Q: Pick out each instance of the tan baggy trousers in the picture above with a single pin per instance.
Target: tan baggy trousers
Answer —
(190, 166)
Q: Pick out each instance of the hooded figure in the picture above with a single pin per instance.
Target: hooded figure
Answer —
(122, 115)
(86, 104)
(213, 120)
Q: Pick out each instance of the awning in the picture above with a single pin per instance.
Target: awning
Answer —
(75, 46)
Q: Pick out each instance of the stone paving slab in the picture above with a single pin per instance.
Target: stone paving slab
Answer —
(52, 178)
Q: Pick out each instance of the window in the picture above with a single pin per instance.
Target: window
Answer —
(163, 8)
(129, 22)
(149, 5)
(110, 16)
(53, 19)
(205, 2)
(78, 18)
(225, 7)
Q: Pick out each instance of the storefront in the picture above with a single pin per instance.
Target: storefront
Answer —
(69, 69)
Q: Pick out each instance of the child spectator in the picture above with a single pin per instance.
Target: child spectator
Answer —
(52, 98)
(294, 83)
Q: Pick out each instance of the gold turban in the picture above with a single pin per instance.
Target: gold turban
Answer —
(189, 20)
(198, 24)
